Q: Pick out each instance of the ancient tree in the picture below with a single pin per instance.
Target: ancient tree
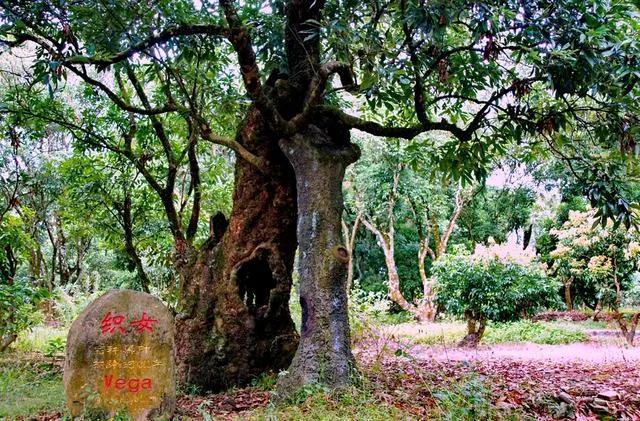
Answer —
(179, 73)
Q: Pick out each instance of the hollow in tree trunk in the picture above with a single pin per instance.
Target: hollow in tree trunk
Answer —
(324, 355)
(234, 320)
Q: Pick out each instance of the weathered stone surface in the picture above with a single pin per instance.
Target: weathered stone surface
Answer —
(120, 358)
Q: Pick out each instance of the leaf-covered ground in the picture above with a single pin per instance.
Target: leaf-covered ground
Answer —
(406, 379)
(487, 384)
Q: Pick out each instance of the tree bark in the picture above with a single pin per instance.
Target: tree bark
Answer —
(324, 354)
(234, 321)
(628, 332)
(567, 294)
(476, 325)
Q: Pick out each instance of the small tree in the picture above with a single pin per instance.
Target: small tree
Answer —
(491, 285)
(598, 260)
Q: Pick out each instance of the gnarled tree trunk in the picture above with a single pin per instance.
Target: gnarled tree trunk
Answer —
(234, 320)
(476, 325)
(324, 355)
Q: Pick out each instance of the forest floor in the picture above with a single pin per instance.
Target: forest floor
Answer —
(408, 371)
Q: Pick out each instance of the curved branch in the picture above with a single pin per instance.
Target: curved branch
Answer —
(244, 153)
(408, 132)
(160, 38)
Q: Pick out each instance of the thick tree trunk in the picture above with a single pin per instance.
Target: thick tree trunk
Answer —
(324, 355)
(234, 320)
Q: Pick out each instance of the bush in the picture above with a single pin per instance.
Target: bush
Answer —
(18, 310)
(491, 290)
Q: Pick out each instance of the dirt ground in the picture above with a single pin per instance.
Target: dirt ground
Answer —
(599, 379)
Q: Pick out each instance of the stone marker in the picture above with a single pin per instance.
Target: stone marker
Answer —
(120, 358)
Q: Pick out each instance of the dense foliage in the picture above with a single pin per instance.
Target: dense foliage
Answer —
(597, 262)
(491, 289)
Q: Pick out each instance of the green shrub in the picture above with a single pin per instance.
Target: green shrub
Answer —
(491, 290)
(534, 332)
(18, 310)
(55, 346)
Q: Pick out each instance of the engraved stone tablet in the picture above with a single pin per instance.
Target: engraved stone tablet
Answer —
(120, 358)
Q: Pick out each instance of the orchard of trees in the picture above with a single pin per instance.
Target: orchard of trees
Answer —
(259, 164)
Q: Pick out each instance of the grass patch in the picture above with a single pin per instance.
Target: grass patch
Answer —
(318, 404)
(450, 333)
(441, 333)
(29, 385)
(468, 400)
(533, 332)
(41, 339)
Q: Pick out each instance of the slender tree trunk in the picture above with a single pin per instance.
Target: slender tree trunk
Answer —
(567, 294)
(476, 325)
(427, 306)
(350, 241)
(324, 355)
(7, 340)
(616, 282)
(628, 332)
(393, 279)
(598, 310)
(127, 223)
(234, 321)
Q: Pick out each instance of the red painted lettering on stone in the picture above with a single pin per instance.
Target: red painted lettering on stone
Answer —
(133, 385)
(144, 324)
(112, 323)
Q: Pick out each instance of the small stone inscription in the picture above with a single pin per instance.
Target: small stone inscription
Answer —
(120, 358)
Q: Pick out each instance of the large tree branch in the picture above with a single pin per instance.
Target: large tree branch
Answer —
(158, 127)
(408, 132)
(241, 42)
(207, 134)
(194, 171)
(318, 86)
(160, 38)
